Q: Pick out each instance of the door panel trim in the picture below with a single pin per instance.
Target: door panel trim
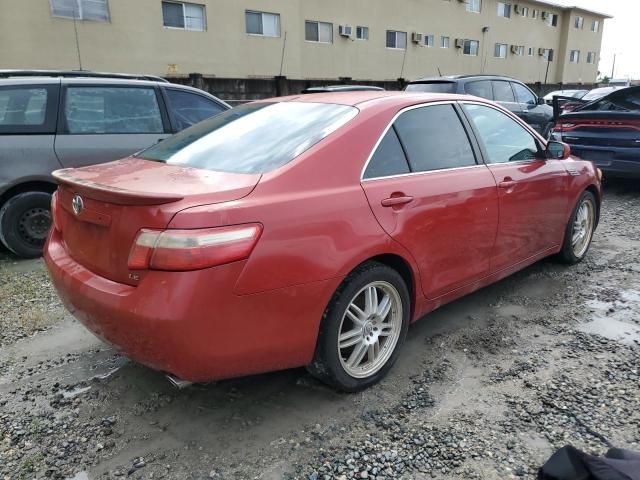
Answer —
(410, 174)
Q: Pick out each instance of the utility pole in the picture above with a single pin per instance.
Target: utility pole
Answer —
(75, 29)
(613, 68)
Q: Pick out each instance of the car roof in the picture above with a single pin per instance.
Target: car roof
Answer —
(454, 78)
(364, 99)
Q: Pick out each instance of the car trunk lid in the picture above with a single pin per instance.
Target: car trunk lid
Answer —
(102, 207)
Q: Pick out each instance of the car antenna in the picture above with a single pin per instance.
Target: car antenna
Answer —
(439, 72)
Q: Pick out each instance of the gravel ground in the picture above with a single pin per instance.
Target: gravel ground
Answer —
(487, 387)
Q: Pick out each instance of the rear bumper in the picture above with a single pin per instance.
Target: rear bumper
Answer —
(191, 324)
(616, 161)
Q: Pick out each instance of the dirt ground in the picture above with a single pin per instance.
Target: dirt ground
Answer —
(486, 387)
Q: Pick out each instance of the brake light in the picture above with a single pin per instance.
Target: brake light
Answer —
(55, 211)
(181, 250)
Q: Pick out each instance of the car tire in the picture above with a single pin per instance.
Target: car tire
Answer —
(579, 231)
(25, 220)
(370, 314)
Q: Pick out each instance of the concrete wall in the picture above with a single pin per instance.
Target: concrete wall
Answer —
(134, 40)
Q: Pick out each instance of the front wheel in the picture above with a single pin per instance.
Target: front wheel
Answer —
(579, 230)
(362, 329)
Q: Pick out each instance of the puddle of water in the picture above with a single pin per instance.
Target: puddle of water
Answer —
(79, 476)
(623, 332)
(75, 392)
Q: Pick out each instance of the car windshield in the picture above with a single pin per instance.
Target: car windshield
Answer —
(624, 100)
(432, 87)
(252, 138)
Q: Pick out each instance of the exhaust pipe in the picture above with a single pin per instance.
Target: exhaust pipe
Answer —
(178, 382)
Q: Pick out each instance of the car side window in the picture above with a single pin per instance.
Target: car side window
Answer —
(504, 139)
(388, 159)
(502, 91)
(523, 94)
(434, 138)
(112, 110)
(23, 106)
(481, 88)
(187, 108)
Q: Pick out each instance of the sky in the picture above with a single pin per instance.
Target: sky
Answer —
(621, 35)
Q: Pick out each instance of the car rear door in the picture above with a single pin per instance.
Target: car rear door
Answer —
(100, 123)
(430, 194)
(532, 190)
(27, 130)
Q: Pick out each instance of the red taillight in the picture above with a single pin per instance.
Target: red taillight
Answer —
(55, 212)
(180, 250)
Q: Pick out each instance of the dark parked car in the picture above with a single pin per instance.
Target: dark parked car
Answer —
(508, 92)
(50, 120)
(606, 131)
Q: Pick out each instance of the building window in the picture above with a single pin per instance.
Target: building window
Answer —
(321, 32)
(574, 57)
(579, 22)
(260, 23)
(525, 11)
(474, 6)
(534, 14)
(188, 16)
(552, 20)
(428, 40)
(94, 10)
(595, 26)
(444, 42)
(591, 57)
(546, 54)
(531, 51)
(362, 33)
(500, 51)
(396, 39)
(471, 47)
(520, 50)
(504, 10)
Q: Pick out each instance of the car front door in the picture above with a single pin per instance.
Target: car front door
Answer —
(430, 194)
(532, 189)
(100, 123)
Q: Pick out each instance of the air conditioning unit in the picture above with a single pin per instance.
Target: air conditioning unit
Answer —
(544, 15)
(459, 42)
(514, 49)
(416, 37)
(517, 9)
(345, 30)
(462, 1)
(541, 52)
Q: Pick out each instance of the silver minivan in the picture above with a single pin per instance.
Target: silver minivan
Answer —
(52, 120)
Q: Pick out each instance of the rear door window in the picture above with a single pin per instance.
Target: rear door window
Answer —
(502, 91)
(112, 110)
(523, 94)
(434, 138)
(388, 159)
(481, 88)
(27, 109)
(188, 108)
(432, 87)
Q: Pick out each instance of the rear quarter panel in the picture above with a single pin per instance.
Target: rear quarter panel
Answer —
(25, 158)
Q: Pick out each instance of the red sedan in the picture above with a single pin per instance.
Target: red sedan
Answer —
(311, 231)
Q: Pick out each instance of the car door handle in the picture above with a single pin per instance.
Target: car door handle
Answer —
(507, 183)
(395, 201)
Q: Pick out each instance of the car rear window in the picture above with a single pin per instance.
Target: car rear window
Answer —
(252, 138)
(432, 87)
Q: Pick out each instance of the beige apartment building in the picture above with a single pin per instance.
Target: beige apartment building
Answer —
(305, 39)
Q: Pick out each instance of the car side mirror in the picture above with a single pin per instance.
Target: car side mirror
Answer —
(558, 151)
(541, 101)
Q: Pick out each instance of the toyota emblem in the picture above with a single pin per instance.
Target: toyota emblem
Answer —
(77, 204)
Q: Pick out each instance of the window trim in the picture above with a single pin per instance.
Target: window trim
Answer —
(62, 128)
(318, 22)
(595, 26)
(471, 54)
(442, 38)
(80, 18)
(262, 34)
(362, 27)
(425, 37)
(406, 43)
(184, 16)
(577, 60)
(474, 11)
(475, 147)
(578, 23)
(495, 50)
(506, 10)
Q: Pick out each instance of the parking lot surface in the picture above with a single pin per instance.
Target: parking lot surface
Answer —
(486, 387)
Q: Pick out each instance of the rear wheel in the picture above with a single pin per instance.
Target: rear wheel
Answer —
(24, 223)
(362, 329)
(579, 231)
